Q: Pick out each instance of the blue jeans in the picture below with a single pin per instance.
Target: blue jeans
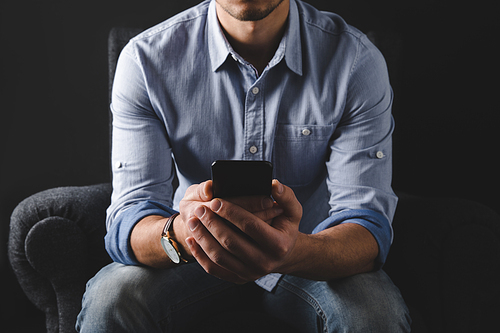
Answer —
(137, 299)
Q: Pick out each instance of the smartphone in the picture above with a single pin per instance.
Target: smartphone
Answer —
(241, 178)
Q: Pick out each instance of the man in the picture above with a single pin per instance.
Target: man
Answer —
(269, 80)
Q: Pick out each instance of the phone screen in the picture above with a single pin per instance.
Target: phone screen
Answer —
(241, 178)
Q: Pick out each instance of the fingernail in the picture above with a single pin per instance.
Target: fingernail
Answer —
(280, 188)
(206, 192)
(192, 224)
(216, 205)
(200, 211)
(267, 203)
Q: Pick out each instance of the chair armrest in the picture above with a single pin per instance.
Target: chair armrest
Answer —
(446, 261)
(56, 243)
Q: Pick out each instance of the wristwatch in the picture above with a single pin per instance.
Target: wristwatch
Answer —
(169, 244)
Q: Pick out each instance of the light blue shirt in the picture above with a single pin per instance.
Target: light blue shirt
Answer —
(320, 112)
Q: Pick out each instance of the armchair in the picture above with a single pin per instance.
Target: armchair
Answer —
(445, 257)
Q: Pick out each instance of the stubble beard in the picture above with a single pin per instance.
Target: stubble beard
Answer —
(251, 14)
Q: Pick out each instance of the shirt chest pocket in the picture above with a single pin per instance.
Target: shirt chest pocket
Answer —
(300, 152)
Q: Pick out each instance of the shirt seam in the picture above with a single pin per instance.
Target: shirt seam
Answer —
(140, 64)
(151, 33)
(330, 32)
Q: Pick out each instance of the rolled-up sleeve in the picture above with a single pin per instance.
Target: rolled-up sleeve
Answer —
(360, 163)
(374, 222)
(117, 238)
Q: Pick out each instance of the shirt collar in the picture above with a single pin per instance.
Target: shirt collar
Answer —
(293, 52)
(219, 49)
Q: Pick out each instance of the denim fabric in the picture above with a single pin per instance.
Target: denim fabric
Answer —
(124, 298)
(320, 111)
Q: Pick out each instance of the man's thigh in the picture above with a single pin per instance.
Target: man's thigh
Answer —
(362, 303)
(124, 298)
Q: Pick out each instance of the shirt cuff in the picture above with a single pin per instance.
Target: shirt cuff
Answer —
(117, 239)
(376, 223)
(269, 281)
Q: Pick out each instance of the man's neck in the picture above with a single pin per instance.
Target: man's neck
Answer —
(255, 41)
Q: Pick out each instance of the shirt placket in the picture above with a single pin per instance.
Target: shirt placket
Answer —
(254, 122)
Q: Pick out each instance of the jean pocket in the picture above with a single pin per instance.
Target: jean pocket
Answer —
(300, 152)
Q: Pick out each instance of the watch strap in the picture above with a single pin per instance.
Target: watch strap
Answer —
(168, 224)
(166, 234)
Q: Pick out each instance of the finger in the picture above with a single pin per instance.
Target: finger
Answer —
(250, 224)
(199, 192)
(215, 237)
(267, 245)
(285, 198)
(194, 195)
(252, 203)
(211, 268)
(269, 214)
(247, 252)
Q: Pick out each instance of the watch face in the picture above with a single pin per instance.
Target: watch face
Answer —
(170, 250)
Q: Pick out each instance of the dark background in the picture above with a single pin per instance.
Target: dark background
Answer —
(54, 99)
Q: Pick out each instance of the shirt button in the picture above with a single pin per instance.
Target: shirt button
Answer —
(380, 154)
(306, 131)
(118, 165)
(255, 90)
(253, 149)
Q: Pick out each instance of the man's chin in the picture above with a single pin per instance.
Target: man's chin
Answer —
(250, 13)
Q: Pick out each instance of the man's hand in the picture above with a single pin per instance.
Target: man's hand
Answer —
(201, 195)
(262, 242)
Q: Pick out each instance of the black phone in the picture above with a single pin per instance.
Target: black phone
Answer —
(241, 178)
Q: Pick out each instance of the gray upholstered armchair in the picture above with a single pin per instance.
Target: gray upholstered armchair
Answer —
(445, 257)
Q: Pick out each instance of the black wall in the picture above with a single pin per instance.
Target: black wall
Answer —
(54, 97)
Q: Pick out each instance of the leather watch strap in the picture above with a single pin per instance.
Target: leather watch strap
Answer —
(165, 233)
(168, 224)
